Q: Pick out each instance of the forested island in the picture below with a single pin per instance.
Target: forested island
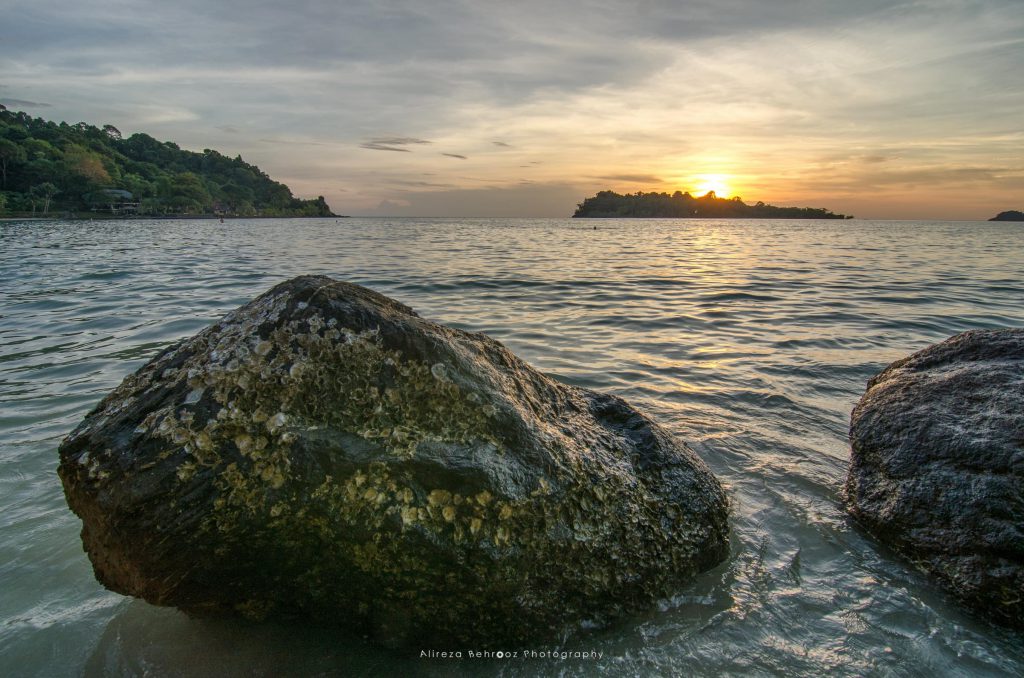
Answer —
(80, 169)
(1009, 215)
(610, 205)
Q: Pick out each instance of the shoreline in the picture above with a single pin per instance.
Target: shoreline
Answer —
(206, 217)
(167, 217)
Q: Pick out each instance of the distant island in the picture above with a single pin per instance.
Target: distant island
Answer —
(1010, 215)
(611, 205)
(83, 170)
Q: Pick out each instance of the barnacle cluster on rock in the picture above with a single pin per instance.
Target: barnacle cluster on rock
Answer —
(323, 451)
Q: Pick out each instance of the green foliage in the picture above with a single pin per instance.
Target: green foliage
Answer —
(609, 204)
(45, 192)
(10, 154)
(52, 166)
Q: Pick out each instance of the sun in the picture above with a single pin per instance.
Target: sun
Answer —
(712, 182)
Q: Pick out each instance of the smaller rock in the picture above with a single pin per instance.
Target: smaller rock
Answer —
(937, 466)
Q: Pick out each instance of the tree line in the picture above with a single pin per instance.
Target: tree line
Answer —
(609, 204)
(48, 167)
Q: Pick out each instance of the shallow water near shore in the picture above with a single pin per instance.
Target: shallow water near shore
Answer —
(751, 340)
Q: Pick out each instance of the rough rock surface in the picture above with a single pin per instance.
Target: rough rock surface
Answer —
(325, 452)
(937, 467)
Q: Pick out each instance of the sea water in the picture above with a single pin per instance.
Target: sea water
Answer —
(751, 340)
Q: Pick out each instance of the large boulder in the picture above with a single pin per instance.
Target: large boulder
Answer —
(324, 452)
(937, 467)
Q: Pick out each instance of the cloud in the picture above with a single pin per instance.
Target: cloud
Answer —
(156, 114)
(378, 147)
(537, 200)
(455, 155)
(946, 176)
(421, 184)
(633, 178)
(391, 206)
(392, 144)
(398, 141)
(771, 94)
(22, 103)
(293, 142)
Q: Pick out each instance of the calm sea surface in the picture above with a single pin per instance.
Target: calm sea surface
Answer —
(751, 340)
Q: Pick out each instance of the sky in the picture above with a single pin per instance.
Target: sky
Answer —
(881, 109)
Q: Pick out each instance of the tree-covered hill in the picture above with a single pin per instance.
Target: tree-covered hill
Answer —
(48, 167)
(1009, 215)
(609, 204)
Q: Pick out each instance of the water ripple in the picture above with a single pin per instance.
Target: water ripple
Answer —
(751, 340)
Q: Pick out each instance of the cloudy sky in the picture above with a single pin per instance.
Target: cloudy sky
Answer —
(879, 108)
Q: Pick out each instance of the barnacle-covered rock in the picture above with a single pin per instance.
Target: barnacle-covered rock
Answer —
(325, 452)
(937, 466)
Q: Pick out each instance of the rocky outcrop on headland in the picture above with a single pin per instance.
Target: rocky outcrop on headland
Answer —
(937, 466)
(324, 452)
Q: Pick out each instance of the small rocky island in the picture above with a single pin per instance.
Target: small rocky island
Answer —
(325, 453)
(611, 205)
(937, 466)
(1009, 215)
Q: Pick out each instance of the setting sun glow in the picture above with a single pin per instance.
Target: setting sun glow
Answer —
(711, 182)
